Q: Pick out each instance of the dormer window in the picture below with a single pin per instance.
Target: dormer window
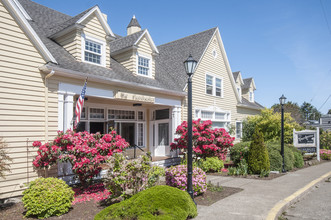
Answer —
(144, 65)
(251, 97)
(239, 91)
(93, 51)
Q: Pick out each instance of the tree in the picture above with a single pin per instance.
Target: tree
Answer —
(292, 108)
(310, 112)
(329, 112)
(258, 157)
(269, 123)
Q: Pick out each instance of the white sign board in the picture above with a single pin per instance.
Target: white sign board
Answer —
(308, 141)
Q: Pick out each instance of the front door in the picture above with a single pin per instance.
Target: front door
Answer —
(162, 145)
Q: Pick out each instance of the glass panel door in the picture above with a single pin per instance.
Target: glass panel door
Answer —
(162, 147)
(163, 137)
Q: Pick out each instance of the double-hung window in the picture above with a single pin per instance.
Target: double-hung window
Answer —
(93, 52)
(251, 96)
(143, 66)
(213, 85)
(238, 129)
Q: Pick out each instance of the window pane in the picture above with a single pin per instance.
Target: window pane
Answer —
(97, 113)
(92, 46)
(140, 134)
(218, 82)
(206, 115)
(92, 57)
(161, 114)
(219, 116)
(218, 92)
(209, 80)
(209, 89)
(140, 116)
(143, 66)
(121, 114)
(238, 129)
(163, 134)
(218, 125)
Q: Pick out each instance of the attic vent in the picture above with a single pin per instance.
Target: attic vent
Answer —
(214, 52)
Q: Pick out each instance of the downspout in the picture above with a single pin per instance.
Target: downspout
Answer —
(46, 103)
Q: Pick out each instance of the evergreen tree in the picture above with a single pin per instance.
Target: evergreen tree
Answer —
(258, 157)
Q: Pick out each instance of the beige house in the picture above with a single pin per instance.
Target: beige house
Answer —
(133, 86)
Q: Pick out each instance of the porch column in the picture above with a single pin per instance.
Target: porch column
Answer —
(60, 107)
(176, 121)
(68, 110)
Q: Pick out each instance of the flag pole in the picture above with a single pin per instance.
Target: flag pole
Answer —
(79, 107)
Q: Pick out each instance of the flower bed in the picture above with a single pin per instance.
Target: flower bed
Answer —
(96, 192)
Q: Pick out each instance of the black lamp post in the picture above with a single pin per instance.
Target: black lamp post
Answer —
(190, 65)
(282, 101)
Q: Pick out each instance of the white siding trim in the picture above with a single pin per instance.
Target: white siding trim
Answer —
(169, 102)
(32, 35)
(90, 91)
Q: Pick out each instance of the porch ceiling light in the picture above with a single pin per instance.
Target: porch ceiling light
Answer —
(137, 104)
(282, 100)
(190, 65)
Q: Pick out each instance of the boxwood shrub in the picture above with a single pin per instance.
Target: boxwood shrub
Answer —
(158, 202)
(258, 158)
(47, 197)
(211, 164)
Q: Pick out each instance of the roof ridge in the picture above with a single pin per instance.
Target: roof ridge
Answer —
(187, 36)
(114, 41)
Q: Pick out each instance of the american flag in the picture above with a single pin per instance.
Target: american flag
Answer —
(79, 105)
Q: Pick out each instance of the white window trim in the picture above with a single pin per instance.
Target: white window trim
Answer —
(226, 119)
(251, 92)
(150, 64)
(214, 85)
(103, 50)
(241, 130)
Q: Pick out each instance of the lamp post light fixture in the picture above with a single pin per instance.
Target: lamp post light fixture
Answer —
(282, 101)
(189, 65)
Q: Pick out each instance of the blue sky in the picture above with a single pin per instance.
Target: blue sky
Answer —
(285, 45)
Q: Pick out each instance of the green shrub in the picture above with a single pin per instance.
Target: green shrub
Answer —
(128, 177)
(47, 197)
(158, 202)
(298, 160)
(258, 158)
(289, 158)
(325, 138)
(275, 159)
(211, 164)
(239, 151)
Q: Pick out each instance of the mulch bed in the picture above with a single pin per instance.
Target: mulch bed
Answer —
(85, 210)
(210, 197)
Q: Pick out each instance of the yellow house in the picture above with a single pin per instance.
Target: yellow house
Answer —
(133, 86)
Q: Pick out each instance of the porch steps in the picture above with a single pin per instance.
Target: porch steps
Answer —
(165, 161)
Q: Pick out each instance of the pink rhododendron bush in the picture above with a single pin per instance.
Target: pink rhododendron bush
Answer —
(207, 142)
(325, 154)
(85, 151)
(176, 177)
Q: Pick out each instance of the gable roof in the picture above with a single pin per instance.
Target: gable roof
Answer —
(59, 29)
(173, 54)
(247, 104)
(235, 75)
(44, 18)
(248, 82)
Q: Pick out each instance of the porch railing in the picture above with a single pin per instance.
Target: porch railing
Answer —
(135, 151)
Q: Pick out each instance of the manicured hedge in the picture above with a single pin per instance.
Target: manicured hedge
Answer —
(158, 202)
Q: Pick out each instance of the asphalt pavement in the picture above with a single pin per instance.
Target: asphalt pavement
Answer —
(315, 205)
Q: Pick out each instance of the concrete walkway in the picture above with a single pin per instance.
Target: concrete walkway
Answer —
(259, 197)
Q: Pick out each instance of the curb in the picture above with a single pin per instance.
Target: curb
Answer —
(283, 204)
